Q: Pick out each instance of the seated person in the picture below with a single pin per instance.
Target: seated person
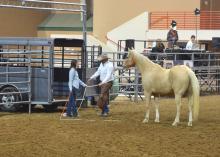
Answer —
(191, 44)
(159, 46)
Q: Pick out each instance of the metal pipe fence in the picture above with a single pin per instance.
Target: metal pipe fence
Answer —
(206, 66)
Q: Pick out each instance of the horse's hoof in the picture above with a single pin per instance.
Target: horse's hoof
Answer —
(190, 124)
(174, 123)
(145, 121)
(157, 121)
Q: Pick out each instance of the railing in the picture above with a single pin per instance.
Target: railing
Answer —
(185, 20)
(15, 77)
(206, 66)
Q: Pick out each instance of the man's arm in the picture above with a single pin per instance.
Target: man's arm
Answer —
(96, 74)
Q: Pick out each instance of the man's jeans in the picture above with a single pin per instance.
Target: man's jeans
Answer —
(105, 109)
(104, 95)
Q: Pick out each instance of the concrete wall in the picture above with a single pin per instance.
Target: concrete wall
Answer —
(210, 5)
(19, 22)
(135, 28)
(109, 14)
(183, 34)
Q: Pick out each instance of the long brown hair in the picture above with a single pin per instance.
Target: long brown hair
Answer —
(73, 64)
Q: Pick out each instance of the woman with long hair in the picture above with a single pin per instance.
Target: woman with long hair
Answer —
(74, 83)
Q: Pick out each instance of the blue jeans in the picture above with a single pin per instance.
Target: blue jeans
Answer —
(105, 109)
(71, 106)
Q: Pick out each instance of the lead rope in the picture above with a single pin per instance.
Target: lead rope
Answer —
(83, 98)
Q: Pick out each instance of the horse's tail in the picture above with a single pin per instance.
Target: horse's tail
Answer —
(195, 93)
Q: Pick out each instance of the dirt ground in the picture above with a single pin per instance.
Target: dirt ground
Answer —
(122, 134)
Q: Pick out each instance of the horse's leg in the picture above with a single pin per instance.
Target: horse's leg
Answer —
(156, 103)
(190, 104)
(147, 97)
(178, 105)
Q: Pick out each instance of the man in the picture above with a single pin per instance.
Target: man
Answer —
(105, 71)
(172, 35)
(190, 44)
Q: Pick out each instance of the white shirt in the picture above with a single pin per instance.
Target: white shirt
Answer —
(189, 45)
(74, 80)
(105, 71)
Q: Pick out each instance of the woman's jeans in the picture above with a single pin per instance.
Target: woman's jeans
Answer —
(71, 107)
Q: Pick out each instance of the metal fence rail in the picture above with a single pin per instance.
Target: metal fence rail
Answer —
(11, 76)
(206, 66)
(44, 5)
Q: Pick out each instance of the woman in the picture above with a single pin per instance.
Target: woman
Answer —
(159, 46)
(74, 83)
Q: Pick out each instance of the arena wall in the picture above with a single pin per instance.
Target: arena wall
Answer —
(109, 14)
(19, 22)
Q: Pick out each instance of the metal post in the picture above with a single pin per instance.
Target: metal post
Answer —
(196, 31)
(85, 56)
(136, 85)
(29, 81)
(50, 73)
(84, 19)
(193, 60)
(63, 56)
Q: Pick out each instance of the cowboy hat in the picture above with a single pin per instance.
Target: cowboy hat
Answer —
(102, 57)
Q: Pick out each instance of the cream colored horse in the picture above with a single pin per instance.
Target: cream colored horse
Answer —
(179, 80)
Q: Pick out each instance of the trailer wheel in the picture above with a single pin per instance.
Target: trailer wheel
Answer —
(8, 99)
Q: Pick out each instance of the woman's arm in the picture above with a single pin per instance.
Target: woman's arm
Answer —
(71, 77)
(82, 83)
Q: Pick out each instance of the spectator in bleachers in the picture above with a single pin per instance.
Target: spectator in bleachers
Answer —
(190, 44)
(159, 47)
(172, 35)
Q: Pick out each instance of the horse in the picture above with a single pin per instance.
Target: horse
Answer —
(179, 81)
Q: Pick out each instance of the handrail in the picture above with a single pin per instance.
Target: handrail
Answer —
(114, 43)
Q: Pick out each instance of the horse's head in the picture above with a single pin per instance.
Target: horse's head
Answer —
(129, 59)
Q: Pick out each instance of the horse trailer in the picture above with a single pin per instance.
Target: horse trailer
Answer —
(35, 70)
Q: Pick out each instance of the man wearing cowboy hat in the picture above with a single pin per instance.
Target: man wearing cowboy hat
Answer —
(105, 71)
(172, 35)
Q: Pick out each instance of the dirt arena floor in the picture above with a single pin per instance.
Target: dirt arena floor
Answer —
(122, 134)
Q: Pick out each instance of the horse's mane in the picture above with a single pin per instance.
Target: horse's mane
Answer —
(145, 59)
